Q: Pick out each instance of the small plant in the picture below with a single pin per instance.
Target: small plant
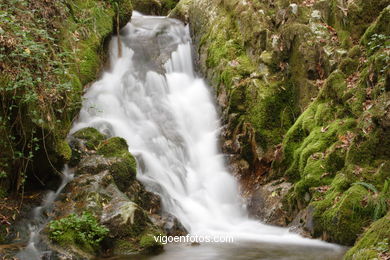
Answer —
(3, 174)
(378, 41)
(383, 246)
(380, 198)
(83, 231)
(366, 185)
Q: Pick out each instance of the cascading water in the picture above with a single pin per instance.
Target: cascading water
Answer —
(40, 218)
(152, 98)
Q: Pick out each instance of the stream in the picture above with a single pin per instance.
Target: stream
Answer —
(152, 97)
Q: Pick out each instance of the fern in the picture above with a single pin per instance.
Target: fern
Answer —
(366, 185)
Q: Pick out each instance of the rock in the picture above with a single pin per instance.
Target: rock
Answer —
(266, 202)
(303, 222)
(150, 245)
(124, 218)
(105, 173)
(170, 224)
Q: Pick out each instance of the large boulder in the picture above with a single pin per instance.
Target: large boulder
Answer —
(106, 188)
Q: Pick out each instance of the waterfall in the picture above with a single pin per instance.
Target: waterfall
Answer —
(152, 97)
(36, 250)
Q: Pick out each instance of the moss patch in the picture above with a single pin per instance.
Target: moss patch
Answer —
(374, 242)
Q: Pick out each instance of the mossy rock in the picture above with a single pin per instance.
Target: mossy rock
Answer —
(63, 150)
(124, 171)
(335, 87)
(349, 66)
(125, 220)
(374, 241)
(181, 10)
(343, 216)
(91, 136)
(124, 168)
(380, 26)
(115, 146)
(124, 247)
(149, 244)
(78, 231)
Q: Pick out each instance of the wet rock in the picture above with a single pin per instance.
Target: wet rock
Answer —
(124, 218)
(170, 224)
(105, 186)
(303, 222)
(266, 202)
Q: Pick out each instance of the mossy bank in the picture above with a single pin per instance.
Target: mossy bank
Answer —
(50, 52)
(303, 88)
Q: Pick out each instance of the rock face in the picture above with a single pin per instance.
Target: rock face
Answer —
(266, 202)
(303, 88)
(106, 187)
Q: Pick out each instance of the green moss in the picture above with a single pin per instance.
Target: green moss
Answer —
(91, 136)
(335, 87)
(63, 149)
(380, 26)
(355, 52)
(125, 167)
(349, 66)
(62, 43)
(149, 244)
(124, 171)
(124, 247)
(373, 242)
(114, 146)
(365, 148)
(154, 7)
(344, 216)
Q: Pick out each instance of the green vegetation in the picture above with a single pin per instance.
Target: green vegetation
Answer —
(49, 51)
(125, 167)
(309, 93)
(80, 231)
(149, 244)
(374, 243)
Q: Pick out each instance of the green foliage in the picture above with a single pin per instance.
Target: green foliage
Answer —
(373, 243)
(378, 41)
(3, 174)
(368, 186)
(48, 51)
(83, 231)
(149, 244)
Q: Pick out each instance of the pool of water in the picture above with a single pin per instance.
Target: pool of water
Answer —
(242, 251)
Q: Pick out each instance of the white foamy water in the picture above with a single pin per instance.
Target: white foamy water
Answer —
(151, 97)
(35, 249)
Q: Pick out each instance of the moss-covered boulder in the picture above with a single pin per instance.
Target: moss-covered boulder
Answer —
(105, 186)
(303, 89)
(374, 243)
(149, 244)
(78, 231)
